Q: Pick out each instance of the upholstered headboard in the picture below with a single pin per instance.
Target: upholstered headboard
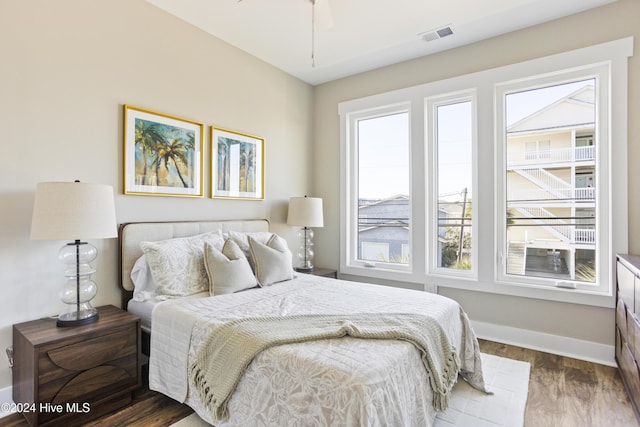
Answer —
(132, 233)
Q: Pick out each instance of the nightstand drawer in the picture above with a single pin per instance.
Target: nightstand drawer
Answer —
(56, 383)
(91, 353)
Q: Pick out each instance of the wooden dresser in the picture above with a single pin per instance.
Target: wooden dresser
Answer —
(628, 325)
(69, 375)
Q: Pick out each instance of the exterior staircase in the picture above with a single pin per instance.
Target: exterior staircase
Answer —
(560, 228)
(551, 187)
(554, 187)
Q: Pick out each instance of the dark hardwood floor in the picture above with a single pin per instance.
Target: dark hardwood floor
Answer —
(148, 409)
(563, 392)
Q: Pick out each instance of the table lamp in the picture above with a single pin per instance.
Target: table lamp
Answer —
(305, 212)
(75, 211)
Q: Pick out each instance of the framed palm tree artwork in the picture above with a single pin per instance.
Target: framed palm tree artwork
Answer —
(162, 154)
(237, 165)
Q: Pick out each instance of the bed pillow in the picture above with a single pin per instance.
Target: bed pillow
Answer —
(242, 240)
(177, 265)
(271, 261)
(228, 269)
(144, 287)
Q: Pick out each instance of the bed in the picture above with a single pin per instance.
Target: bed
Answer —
(342, 380)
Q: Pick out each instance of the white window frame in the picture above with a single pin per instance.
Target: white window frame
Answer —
(613, 238)
(599, 73)
(431, 136)
(350, 264)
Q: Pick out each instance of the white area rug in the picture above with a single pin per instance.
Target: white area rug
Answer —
(507, 378)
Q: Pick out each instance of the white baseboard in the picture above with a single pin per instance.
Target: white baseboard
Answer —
(6, 396)
(555, 344)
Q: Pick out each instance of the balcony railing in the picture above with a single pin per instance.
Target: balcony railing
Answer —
(566, 231)
(557, 155)
(569, 194)
(584, 236)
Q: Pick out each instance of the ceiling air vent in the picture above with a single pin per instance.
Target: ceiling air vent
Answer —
(439, 33)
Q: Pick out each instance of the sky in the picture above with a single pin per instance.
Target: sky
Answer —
(384, 156)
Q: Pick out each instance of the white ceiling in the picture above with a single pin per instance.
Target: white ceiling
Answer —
(353, 36)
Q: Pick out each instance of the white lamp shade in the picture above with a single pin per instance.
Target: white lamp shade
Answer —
(305, 212)
(73, 211)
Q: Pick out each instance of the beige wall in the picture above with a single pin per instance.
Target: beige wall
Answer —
(607, 23)
(66, 68)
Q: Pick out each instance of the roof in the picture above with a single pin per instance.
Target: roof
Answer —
(573, 110)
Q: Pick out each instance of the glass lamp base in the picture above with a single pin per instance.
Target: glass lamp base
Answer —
(305, 251)
(79, 289)
(77, 318)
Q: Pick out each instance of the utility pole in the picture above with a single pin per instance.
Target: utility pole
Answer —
(461, 239)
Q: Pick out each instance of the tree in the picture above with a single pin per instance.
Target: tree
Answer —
(147, 136)
(451, 248)
(173, 151)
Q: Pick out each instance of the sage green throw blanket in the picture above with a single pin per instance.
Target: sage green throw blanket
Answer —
(230, 348)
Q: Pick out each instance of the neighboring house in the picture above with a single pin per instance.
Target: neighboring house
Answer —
(551, 189)
(383, 233)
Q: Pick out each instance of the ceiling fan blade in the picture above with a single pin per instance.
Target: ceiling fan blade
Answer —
(323, 16)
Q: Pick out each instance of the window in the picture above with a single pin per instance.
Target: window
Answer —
(381, 211)
(537, 150)
(551, 228)
(451, 121)
(512, 180)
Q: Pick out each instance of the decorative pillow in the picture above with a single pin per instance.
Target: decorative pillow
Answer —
(228, 270)
(177, 265)
(144, 287)
(272, 261)
(242, 239)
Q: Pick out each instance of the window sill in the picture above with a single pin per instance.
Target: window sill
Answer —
(564, 295)
(379, 272)
(573, 296)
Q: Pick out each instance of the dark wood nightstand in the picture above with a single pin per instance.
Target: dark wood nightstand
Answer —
(324, 272)
(67, 376)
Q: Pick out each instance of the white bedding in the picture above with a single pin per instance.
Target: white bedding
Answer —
(144, 309)
(346, 381)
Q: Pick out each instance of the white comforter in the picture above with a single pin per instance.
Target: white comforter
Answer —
(345, 381)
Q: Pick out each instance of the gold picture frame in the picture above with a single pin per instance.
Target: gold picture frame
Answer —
(163, 154)
(237, 165)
